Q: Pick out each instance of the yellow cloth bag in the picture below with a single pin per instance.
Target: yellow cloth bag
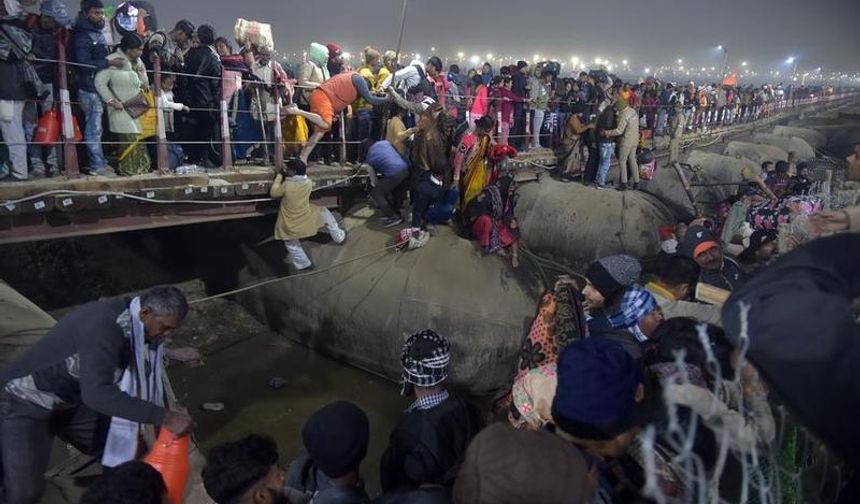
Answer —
(149, 120)
(294, 132)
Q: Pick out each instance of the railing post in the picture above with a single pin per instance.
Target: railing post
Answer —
(342, 139)
(161, 134)
(278, 134)
(70, 151)
(226, 149)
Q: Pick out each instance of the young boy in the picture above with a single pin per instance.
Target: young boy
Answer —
(166, 103)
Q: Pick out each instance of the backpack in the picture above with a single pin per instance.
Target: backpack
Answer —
(424, 87)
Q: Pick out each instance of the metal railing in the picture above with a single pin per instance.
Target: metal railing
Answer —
(709, 118)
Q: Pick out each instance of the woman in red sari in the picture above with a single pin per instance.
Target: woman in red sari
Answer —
(492, 222)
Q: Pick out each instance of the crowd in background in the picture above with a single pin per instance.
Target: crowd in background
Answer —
(115, 104)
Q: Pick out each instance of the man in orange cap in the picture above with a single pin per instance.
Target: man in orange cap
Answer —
(702, 246)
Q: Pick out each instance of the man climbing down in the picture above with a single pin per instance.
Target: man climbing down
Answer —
(297, 218)
(329, 99)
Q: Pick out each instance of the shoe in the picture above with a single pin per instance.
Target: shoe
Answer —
(11, 178)
(431, 228)
(37, 172)
(342, 240)
(622, 187)
(392, 222)
(636, 186)
(602, 187)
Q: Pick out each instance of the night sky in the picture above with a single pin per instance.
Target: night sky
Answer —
(820, 33)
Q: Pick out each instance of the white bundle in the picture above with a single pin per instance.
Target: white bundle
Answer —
(257, 33)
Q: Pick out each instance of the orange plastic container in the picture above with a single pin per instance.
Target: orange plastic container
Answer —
(48, 129)
(169, 456)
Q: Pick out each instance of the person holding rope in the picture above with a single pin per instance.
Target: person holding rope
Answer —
(330, 99)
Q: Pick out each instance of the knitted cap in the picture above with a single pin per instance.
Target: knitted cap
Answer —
(425, 358)
(612, 273)
(336, 437)
(596, 394)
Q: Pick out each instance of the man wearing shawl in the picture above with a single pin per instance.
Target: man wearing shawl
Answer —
(93, 380)
(430, 440)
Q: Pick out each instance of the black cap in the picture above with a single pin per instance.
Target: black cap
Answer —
(336, 437)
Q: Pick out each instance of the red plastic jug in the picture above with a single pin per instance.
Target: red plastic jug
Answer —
(48, 129)
(169, 456)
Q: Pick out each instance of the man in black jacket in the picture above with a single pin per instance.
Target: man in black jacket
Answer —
(803, 338)
(72, 384)
(430, 441)
(44, 34)
(201, 90)
(14, 90)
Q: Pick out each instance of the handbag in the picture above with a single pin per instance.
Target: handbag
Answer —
(136, 106)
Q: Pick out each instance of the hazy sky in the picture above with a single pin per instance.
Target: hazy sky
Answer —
(823, 33)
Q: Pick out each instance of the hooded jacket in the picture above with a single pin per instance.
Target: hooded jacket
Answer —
(89, 47)
(803, 336)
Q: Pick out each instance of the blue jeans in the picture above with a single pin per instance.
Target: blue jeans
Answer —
(91, 104)
(606, 150)
(440, 212)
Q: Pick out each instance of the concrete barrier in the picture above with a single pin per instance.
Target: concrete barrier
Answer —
(758, 153)
(814, 138)
(577, 224)
(363, 311)
(799, 146)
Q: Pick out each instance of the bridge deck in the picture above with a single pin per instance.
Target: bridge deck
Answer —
(58, 207)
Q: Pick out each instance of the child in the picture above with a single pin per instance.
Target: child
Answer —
(166, 103)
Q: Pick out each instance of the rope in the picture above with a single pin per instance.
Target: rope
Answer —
(299, 275)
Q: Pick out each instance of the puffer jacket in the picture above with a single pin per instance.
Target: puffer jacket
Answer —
(89, 48)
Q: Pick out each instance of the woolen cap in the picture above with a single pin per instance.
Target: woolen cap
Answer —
(508, 466)
(336, 437)
(596, 394)
(612, 273)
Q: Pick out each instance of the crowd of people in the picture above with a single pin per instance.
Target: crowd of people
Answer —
(112, 82)
(627, 388)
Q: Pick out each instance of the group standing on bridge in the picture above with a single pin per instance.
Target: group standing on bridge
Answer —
(533, 106)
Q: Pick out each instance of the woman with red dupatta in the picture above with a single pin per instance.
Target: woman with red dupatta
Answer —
(473, 162)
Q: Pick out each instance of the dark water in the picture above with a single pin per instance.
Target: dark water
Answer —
(242, 356)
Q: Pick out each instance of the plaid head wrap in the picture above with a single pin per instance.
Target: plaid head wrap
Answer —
(425, 359)
(635, 305)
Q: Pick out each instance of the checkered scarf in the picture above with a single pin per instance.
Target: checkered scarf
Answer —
(425, 359)
(635, 304)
